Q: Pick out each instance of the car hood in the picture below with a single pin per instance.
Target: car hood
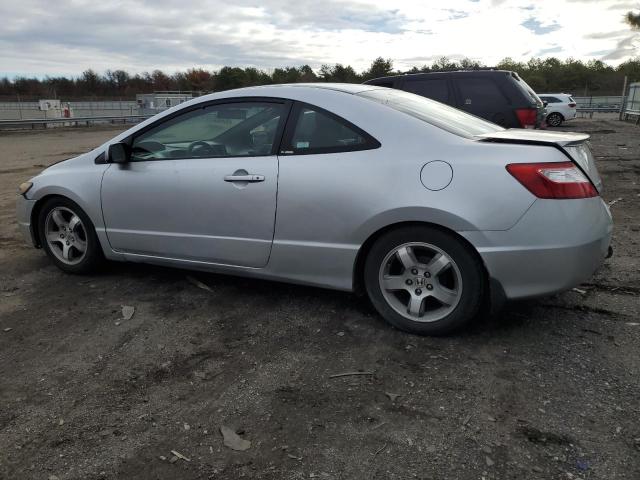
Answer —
(575, 145)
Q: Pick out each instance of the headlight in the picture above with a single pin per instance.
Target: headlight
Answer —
(24, 187)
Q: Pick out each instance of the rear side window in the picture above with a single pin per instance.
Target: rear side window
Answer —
(437, 88)
(317, 131)
(383, 83)
(551, 99)
(479, 92)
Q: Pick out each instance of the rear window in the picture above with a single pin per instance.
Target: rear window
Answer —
(442, 116)
(528, 91)
(437, 88)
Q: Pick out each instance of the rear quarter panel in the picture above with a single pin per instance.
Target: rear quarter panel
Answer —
(343, 197)
(330, 204)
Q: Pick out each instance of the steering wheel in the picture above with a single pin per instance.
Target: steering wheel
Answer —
(200, 148)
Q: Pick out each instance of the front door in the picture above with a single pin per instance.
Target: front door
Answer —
(200, 186)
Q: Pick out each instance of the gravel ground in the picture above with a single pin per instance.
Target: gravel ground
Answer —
(547, 389)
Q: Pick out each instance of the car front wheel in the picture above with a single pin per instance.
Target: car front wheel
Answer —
(68, 236)
(424, 280)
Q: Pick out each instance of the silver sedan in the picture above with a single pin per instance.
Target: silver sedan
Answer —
(434, 213)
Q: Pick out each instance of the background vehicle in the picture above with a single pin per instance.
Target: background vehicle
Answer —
(430, 210)
(560, 108)
(499, 96)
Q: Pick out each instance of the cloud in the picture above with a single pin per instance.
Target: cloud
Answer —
(144, 35)
(625, 48)
(537, 27)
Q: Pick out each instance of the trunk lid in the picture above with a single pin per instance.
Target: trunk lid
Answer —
(574, 145)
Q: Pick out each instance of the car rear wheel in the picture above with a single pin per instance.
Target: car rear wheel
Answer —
(424, 280)
(68, 236)
(554, 120)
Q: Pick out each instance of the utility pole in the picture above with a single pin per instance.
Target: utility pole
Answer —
(623, 101)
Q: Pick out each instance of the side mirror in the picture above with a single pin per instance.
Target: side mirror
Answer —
(119, 153)
(544, 104)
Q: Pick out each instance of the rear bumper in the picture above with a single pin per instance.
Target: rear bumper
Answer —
(24, 208)
(555, 246)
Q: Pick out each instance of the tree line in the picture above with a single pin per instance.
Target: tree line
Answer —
(593, 77)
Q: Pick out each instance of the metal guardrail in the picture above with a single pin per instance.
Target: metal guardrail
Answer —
(73, 121)
(605, 104)
(79, 105)
(610, 109)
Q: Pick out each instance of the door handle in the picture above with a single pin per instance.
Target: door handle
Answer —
(244, 178)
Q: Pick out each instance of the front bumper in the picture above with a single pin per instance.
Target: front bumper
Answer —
(24, 208)
(556, 245)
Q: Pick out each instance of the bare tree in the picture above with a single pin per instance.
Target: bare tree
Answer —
(633, 19)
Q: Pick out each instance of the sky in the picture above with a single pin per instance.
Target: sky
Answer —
(66, 37)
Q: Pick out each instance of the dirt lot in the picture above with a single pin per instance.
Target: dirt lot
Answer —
(547, 389)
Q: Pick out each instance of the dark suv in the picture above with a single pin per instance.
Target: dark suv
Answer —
(499, 96)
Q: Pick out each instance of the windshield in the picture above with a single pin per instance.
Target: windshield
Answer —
(438, 114)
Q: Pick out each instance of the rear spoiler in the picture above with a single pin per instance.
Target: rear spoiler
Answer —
(517, 135)
(573, 145)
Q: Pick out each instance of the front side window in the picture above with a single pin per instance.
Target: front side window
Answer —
(226, 130)
(318, 131)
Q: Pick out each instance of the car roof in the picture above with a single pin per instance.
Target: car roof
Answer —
(351, 88)
(554, 94)
(284, 90)
(456, 73)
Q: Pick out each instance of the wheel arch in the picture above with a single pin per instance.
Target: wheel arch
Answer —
(495, 296)
(35, 214)
(37, 208)
(556, 113)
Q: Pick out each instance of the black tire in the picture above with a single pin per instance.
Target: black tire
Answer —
(93, 256)
(554, 119)
(468, 264)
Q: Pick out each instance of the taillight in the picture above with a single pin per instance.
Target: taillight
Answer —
(527, 117)
(572, 105)
(553, 180)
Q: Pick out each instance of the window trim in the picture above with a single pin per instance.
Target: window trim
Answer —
(286, 147)
(277, 141)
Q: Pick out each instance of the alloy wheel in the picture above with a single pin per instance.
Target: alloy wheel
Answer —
(420, 281)
(65, 235)
(554, 120)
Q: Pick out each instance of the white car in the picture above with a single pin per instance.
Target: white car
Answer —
(560, 108)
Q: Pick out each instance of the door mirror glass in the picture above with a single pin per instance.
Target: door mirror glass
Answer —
(119, 152)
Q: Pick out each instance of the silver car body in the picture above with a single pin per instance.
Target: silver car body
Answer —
(310, 220)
